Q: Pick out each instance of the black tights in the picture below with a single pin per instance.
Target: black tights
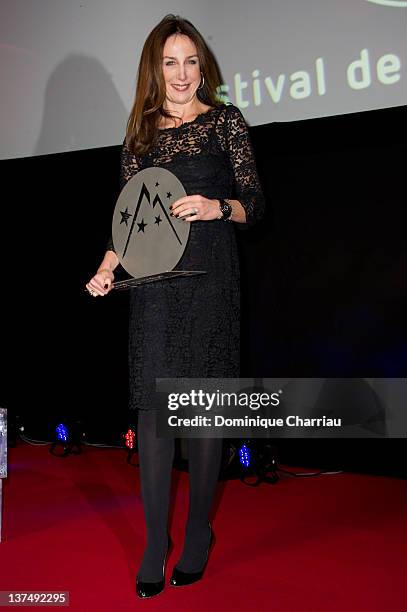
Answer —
(156, 457)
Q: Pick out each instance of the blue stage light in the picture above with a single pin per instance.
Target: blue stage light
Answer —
(244, 455)
(62, 432)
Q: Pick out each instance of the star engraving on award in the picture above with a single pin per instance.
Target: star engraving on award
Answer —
(169, 194)
(125, 216)
(141, 226)
(158, 220)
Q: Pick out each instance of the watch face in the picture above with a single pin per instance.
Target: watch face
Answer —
(226, 209)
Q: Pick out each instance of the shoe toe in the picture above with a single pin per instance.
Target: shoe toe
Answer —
(180, 578)
(149, 589)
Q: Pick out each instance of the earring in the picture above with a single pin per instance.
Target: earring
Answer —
(203, 82)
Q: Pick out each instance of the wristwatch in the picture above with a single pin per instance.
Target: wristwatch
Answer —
(225, 209)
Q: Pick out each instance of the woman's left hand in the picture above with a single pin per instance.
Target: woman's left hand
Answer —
(195, 208)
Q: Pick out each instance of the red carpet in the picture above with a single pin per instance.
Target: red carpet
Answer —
(324, 544)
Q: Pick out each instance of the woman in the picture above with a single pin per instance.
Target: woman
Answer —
(185, 327)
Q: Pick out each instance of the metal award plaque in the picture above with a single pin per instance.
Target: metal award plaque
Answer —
(148, 241)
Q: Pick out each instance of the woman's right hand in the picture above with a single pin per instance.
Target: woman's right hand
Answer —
(101, 283)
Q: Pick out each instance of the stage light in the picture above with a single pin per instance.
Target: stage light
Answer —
(62, 432)
(257, 461)
(262, 461)
(130, 438)
(67, 440)
(130, 443)
(245, 455)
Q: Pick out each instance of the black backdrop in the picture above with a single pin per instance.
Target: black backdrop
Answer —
(323, 278)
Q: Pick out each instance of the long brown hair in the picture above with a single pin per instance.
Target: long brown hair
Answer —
(148, 108)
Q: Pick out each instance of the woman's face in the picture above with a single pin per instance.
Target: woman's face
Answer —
(181, 70)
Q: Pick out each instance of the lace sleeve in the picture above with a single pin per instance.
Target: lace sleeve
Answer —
(247, 183)
(129, 166)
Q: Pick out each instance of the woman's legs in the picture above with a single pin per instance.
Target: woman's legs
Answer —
(204, 458)
(156, 457)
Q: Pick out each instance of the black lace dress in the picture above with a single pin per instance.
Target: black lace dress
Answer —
(190, 327)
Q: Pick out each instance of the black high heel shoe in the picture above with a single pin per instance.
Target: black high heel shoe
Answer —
(150, 589)
(180, 578)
